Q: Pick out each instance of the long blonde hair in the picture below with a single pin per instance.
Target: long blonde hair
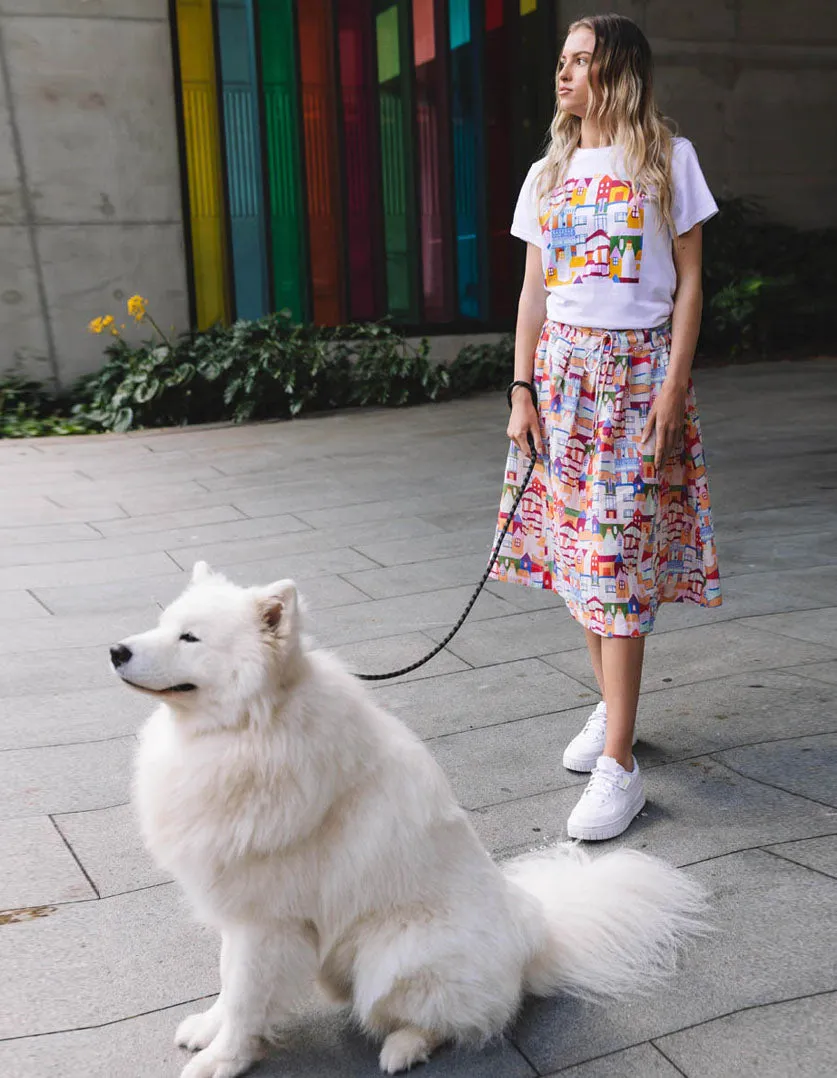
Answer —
(623, 106)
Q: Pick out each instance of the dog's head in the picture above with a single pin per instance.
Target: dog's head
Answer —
(219, 652)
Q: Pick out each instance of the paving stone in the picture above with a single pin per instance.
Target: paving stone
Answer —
(644, 1061)
(766, 522)
(450, 502)
(689, 656)
(407, 551)
(50, 634)
(38, 869)
(748, 892)
(180, 518)
(805, 765)
(298, 567)
(826, 672)
(393, 652)
(773, 1041)
(393, 617)
(108, 960)
(88, 573)
(55, 671)
(115, 596)
(60, 718)
(313, 543)
(327, 1046)
(518, 636)
(45, 533)
(128, 546)
(107, 842)
(755, 594)
(817, 853)
(675, 723)
(17, 606)
(166, 497)
(36, 512)
(414, 579)
(815, 626)
(491, 763)
(775, 552)
(694, 810)
(65, 778)
(321, 592)
(141, 1047)
(517, 759)
(475, 699)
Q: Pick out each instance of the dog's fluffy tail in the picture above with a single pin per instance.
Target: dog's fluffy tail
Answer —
(614, 923)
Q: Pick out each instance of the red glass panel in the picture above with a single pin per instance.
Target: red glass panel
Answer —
(321, 159)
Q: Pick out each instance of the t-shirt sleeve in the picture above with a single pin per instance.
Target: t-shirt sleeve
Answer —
(693, 203)
(525, 224)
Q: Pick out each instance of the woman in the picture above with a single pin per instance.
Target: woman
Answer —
(617, 518)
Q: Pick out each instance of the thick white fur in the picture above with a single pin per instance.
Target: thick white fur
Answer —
(316, 832)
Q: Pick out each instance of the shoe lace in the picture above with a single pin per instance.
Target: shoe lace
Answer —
(602, 785)
(595, 725)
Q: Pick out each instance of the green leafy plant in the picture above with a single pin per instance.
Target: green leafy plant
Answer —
(28, 410)
(478, 367)
(766, 285)
(268, 368)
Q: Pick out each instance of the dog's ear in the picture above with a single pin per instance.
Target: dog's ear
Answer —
(200, 572)
(278, 603)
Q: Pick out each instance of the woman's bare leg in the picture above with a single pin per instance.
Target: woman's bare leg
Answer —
(621, 658)
(594, 646)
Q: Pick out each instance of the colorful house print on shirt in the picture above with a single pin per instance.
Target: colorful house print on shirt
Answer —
(592, 228)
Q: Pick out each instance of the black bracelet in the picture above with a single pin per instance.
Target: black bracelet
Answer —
(528, 385)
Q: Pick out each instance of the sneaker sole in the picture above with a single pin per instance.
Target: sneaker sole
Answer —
(584, 763)
(610, 830)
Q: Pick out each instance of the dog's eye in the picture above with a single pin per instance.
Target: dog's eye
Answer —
(188, 638)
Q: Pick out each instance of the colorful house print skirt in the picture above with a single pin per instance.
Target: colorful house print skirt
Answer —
(598, 524)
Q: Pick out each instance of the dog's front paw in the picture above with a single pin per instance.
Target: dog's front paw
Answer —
(198, 1030)
(206, 1064)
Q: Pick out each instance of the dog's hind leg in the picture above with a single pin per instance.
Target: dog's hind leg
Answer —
(406, 1047)
(263, 971)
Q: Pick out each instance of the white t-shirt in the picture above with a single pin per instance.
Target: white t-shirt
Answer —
(607, 257)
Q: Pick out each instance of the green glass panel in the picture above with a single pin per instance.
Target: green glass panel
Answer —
(397, 180)
(282, 138)
(386, 32)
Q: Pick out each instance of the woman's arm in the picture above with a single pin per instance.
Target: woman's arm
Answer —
(666, 415)
(531, 311)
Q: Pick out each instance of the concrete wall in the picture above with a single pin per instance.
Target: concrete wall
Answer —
(90, 208)
(753, 83)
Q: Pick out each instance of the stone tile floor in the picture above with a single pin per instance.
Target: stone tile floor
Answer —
(385, 519)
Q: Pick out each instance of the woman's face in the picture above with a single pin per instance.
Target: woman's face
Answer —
(574, 71)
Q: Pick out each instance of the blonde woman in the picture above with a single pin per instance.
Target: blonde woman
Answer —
(617, 519)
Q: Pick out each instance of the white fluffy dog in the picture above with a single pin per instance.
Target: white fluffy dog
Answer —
(317, 833)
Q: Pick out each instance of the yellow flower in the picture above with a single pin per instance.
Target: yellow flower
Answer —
(136, 307)
(107, 320)
(96, 326)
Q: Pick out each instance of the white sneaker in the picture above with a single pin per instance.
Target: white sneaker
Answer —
(585, 748)
(612, 799)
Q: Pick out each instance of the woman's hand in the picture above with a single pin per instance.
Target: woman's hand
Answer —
(666, 419)
(523, 421)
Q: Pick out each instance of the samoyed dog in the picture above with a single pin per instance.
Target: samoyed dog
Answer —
(321, 839)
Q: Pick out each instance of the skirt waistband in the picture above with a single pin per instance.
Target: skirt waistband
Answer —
(615, 339)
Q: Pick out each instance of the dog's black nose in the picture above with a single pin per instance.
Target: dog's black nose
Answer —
(119, 655)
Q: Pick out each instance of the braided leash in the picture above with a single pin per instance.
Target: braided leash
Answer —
(485, 575)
